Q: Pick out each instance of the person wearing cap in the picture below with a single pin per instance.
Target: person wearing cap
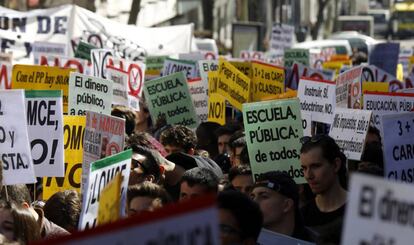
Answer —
(278, 197)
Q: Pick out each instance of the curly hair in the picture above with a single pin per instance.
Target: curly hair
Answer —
(179, 136)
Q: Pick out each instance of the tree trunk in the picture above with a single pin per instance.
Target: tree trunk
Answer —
(133, 15)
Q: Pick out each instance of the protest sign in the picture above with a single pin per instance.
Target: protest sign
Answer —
(198, 55)
(267, 80)
(372, 73)
(170, 98)
(297, 71)
(213, 78)
(14, 140)
(333, 65)
(110, 202)
(89, 93)
(375, 87)
(267, 237)
(345, 83)
(33, 77)
(300, 56)
(45, 128)
(73, 132)
(188, 67)
(273, 130)
(100, 60)
(378, 212)
(154, 65)
(83, 51)
(318, 98)
(120, 86)
(216, 109)
(281, 37)
(349, 130)
(385, 103)
(198, 90)
(243, 66)
(104, 136)
(398, 132)
(186, 223)
(233, 84)
(205, 66)
(286, 95)
(99, 175)
(6, 60)
(252, 55)
(385, 56)
(306, 123)
(79, 65)
(48, 48)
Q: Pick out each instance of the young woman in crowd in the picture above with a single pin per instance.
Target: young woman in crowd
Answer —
(324, 168)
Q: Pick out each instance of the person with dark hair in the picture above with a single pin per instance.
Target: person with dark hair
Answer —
(146, 196)
(127, 114)
(143, 121)
(241, 179)
(19, 196)
(206, 140)
(144, 166)
(223, 137)
(179, 138)
(18, 224)
(240, 218)
(373, 135)
(198, 181)
(63, 208)
(278, 197)
(236, 143)
(372, 159)
(324, 168)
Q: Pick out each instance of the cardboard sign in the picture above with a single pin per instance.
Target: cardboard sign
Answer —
(300, 56)
(48, 48)
(375, 87)
(281, 37)
(89, 93)
(110, 202)
(267, 237)
(172, 66)
(267, 80)
(104, 136)
(297, 71)
(198, 90)
(45, 128)
(306, 123)
(35, 77)
(385, 56)
(345, 83)
(378, 212)
(169, 97)
(273, 130)
(233, 84)
(6, 66)
(372, 73)
(73, 132)
(385, 103)
(100, 60)
(349, 130)
(15, 151)
(154, 65)
(80, 65)
(217, 109)
(187, 223)
(398, 135)
(318, 98)
(120, 86)
(100, 174)
(205, 66)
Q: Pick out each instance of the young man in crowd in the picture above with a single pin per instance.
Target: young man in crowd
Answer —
(237, 143)
(223, 137)
(198, 181)
(241, 179)
(146, 196)
(179, 138)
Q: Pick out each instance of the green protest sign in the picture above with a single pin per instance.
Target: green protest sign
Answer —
(83, 50)
(296, 55)
(168, 97)
(273, 130)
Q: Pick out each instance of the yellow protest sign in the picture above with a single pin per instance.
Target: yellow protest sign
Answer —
(400, 72)
(288, 94)
(34, 77)
(212, 82)
(73, 131)
(110, 201)
(233, 84)
(243, 66)
(375, 86)
(267, 80)
(216, 109)
(333, 65)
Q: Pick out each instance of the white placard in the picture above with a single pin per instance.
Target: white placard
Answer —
(172, 66)
(14, 140)
(344, 82)
(205, 66)
(349, 130)
(49, 49)
(282, 37)
(198, 91)
(100, 60)
(120, 86)
(318, 98)
(307, 123)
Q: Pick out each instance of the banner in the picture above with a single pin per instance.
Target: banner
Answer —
(198, 90)
(300, 56)
(378, 212)
(99, 175)
(267, 80)
(45, 128)
(171, 66)
(31, 77)
(273, 130)
(233, 84)
(318, 98)
(73, 132)
(385, 103)
(169, 97)
(14, 140)
(398, 135)
(79, 65)
(217, 109)
(282, 37)
(104, 136)
(120, 86)
(346, 83)
(6, 70)
(89, 93)
(349, 130)
(297, 71)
